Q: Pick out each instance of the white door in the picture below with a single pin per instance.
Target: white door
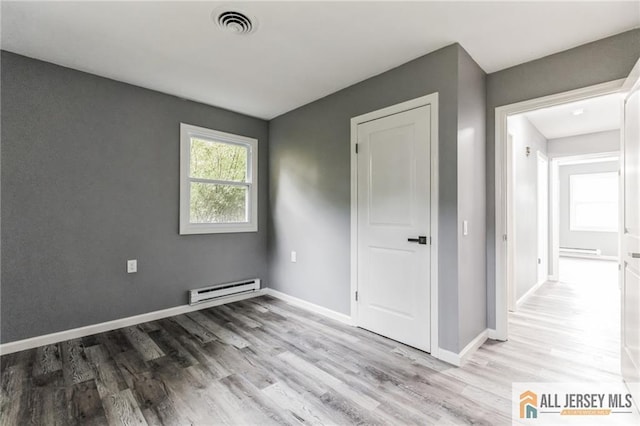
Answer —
(393, 227)
(543, 218)
(630, 242)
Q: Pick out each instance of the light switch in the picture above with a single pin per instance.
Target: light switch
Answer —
(294, 257)
(465, 227)
(132, 266)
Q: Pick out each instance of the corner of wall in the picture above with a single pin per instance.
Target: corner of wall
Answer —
(471, 208)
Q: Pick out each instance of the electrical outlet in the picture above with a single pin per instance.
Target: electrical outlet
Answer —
(132, 266)
(294, 257)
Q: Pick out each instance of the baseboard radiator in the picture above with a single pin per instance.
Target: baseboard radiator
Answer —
(570, 251)
(206, 294)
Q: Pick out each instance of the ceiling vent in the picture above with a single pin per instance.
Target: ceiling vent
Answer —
(235, 22)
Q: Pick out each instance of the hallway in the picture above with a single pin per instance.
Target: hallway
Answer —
(574, 323)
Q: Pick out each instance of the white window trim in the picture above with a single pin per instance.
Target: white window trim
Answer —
(187, 131)
(572, 203)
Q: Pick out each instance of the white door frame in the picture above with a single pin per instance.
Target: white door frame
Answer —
(511, 226)
(543, 157)
(503, 243)
(554, 215)
(431, 100)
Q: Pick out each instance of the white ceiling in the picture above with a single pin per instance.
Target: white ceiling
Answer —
(599, 114)
(302, 51)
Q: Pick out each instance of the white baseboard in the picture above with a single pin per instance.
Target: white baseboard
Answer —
(529, 292)
(610, 258)
(61, 336)
(346, 319)
(461, 358)
(449, 357)
(589, 256)
(438, 353)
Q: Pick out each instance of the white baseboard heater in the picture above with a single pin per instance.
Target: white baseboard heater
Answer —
(205, 294)
(570, 251)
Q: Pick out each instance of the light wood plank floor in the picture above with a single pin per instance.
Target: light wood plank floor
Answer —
(262, 361)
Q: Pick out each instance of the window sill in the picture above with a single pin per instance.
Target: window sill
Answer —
(195, 229)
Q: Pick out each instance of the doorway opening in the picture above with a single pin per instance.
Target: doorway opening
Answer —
(564, 211)
(563, 184)
(562, 219)
(589, 190)
(536, 142)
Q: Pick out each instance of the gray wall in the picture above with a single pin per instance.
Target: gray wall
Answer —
(591, 143)
(525, 170)
(120, 190)
(472, 286)
(605, 241)
(310, 185)
(604, 60)
(90, 174)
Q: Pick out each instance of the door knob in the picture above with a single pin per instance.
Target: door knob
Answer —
(420, 240)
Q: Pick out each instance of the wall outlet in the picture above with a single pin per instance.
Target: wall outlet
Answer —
(132, 266)
(294, 257)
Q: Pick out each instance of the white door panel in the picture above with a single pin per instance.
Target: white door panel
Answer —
(394, 206)
(630, 243)
(391, 275)
(631, 302)
(390, 177)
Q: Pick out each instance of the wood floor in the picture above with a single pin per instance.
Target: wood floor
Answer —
(262, 361)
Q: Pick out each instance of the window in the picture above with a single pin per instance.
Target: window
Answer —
(218, 181)
(593, 200)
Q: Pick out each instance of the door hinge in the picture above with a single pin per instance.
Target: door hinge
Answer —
(356, 295)
(356, 148)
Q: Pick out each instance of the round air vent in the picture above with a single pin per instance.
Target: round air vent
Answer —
(235, 22)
